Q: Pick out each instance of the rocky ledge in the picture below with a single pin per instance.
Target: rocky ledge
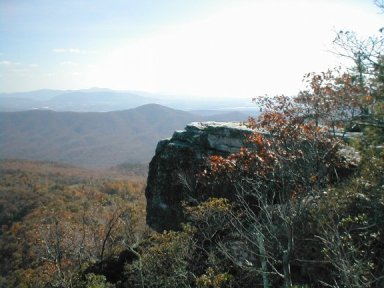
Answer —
(172, 178)
(172, 171)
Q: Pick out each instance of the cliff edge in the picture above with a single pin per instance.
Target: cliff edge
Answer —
(172, 171)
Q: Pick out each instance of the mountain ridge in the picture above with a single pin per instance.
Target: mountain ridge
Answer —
(93, 139)
(105, 100)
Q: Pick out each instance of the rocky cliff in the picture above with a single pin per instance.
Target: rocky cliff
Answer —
(172, 178)
(172, 171)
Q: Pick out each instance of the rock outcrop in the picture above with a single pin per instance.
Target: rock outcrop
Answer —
(172, 171)
(172, 178)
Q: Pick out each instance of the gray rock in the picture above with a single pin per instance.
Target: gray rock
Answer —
(172, 179)
(173, 169)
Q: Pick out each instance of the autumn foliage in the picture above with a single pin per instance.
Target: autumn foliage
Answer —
(288, 153)
(305, 206)
(57, 220)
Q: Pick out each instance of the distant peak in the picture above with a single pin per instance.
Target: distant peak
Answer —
(151, 106)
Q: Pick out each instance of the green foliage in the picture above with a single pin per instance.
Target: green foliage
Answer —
(213, 279)
(93, 281)
(351, 224)
(164, 261)
(210, 217)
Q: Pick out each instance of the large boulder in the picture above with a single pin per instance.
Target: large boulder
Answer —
(173, 169)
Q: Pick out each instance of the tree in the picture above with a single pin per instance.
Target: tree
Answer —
(363, 52)
(163, 261)
(290, 159)
(334, 99)
(367, 71)
(380, 4)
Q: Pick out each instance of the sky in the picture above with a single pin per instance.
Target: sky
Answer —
(195, 48)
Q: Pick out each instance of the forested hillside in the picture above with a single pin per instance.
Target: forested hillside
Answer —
(76, 138)
(55, 220)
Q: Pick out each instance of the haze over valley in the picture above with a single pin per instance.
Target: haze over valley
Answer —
(199, 60)
(95, 139)
(104, 100)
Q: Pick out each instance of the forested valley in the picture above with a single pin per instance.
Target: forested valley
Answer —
(306, 210)
(56, 220)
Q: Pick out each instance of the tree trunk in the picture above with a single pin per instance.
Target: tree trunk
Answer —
(263, 254)
(287, 270)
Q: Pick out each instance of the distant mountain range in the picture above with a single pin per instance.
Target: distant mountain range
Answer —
(94, 99)
(94, 139)
(105, 100)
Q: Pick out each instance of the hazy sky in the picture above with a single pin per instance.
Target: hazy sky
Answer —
(211, 48)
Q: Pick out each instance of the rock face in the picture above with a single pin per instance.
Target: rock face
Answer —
(172, 171)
